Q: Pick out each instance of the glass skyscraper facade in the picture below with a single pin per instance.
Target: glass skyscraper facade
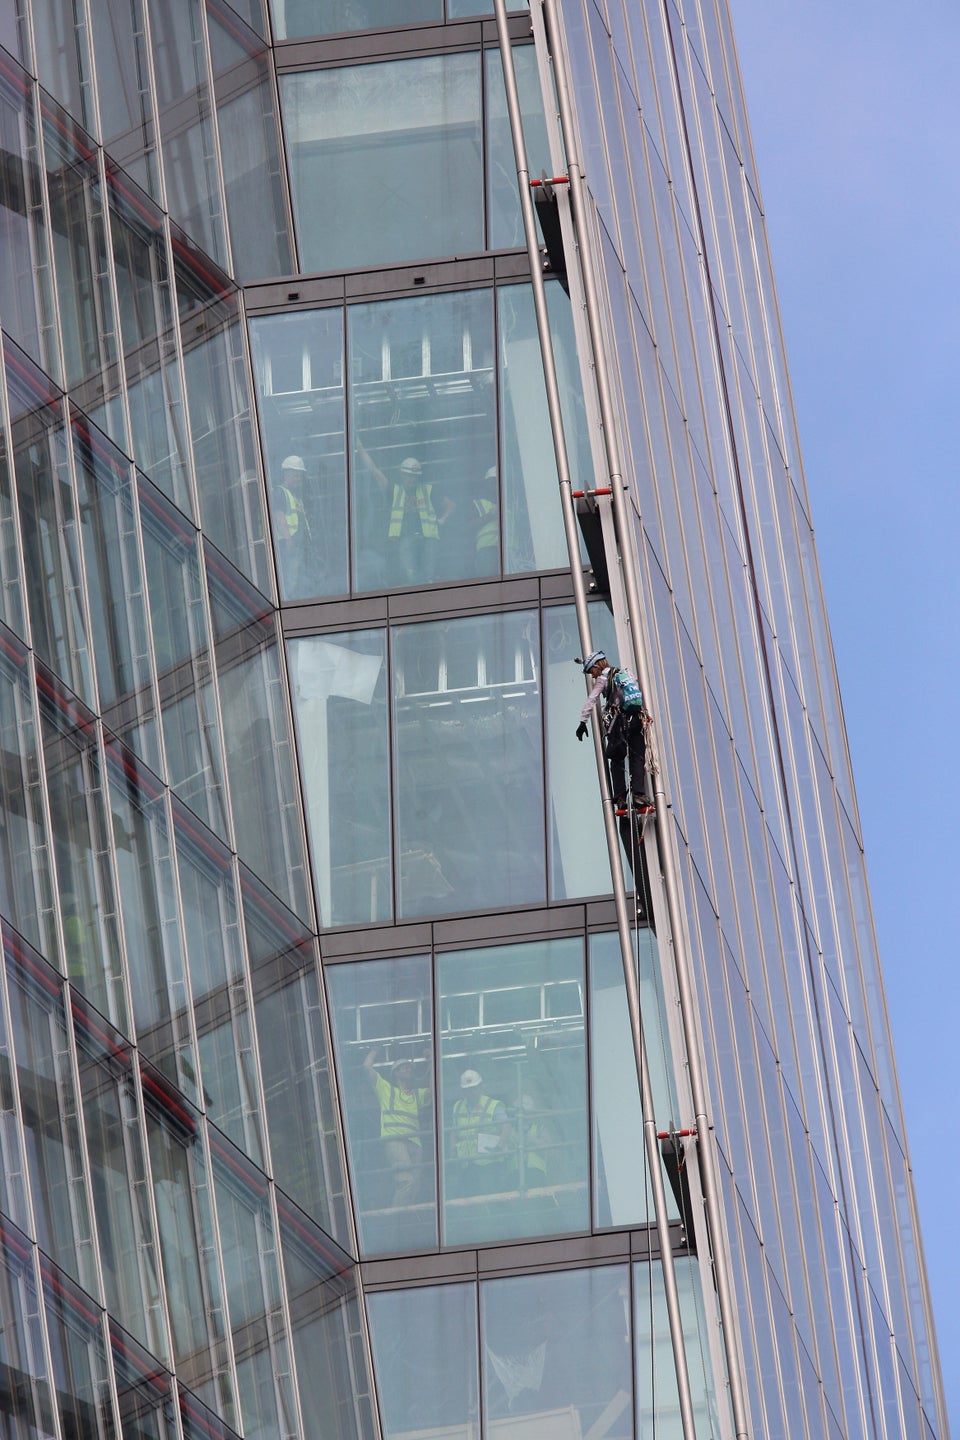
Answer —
(356, 1081)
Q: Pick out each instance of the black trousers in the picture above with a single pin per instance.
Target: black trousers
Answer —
(625, 742)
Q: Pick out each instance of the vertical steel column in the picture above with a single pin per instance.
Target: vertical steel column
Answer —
(613, 843)
(580, 210)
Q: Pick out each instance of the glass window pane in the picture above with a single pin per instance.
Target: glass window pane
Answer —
(126, 119)
(258, 737)
(25, 286)
(331, 1372)
(534, 537)
(430, 1388)
(504, 219)
(293, 19)
(382, 1025)
(557, 1357)
(11, 584)
(298, 362)
(423, 413)
(26, 891)
(143, 1390)
(620, 1176)
(579, 863)
(385, 161)
(513, 1091)
(79, 1358)
(340, 691)
(467, 704)
(21, 1340)
(657, 1398)
(304, 1130)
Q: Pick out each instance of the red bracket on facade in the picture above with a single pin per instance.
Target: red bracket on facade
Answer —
(551, 180)
(579, 494)
(668, 1134)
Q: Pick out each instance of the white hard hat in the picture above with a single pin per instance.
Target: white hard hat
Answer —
(491, 473)
(411, 466)
(470, 1079)
(294, 462)
(591, 660)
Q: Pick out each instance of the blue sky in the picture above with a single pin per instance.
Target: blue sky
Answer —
(855, 113)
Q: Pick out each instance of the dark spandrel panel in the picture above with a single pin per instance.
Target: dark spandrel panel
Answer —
(253, 1287)
(331, 1369)
(340, 693)
(430, 1387)
(118, 1176)
(382, 1027)
(81, 838)
(557, 1352)
(221, 1005)
(467, 703)
(48, 1107)
(27, 305)
(127, 128)
(294, 19)
(386, 161)
(298, 364)
(513, 1091)
(305, 1144)
(26, 882)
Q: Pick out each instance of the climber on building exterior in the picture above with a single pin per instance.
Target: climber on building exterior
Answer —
(622, 721)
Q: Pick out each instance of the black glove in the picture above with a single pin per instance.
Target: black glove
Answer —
(582, 730)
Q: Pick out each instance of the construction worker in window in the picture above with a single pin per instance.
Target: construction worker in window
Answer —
(402, 1112)
(483, 505)
(623, 721)
(292, 528)
(480, 1140)
(418, 512)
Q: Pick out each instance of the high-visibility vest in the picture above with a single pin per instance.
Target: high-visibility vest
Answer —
(468, 1124)
(425, 512)
(487, 533)
(399, 1111)
(294, 513)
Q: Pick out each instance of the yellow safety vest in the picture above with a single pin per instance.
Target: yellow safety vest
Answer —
(487, 533)
(426, 514)
(294, 513)
(399, 1111)
(468, 1125)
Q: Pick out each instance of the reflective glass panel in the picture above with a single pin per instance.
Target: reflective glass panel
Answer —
(331, 1372)
(26, 897)
(423, 415)
(340, 692)
(579, 863)
(258, 736)
(143, 1389)
(304, 1130)
(79, 825)
(11, 586)
(48, 1109)
(221, 1008)
(657, 1399)
(251, 1268)
(26, 305)
(513, 1091)
(298, 362)
(429, 1388)
(557, 1354)
(621, 1180)
(295, 18)
(533, 534)
(62, 59)
(382, 1030)
(21, 1339)
(158, 421)
(504, 218)
(178, 618)
(386, 160)
(126, 119)
(467, 703)
(78, 1354)
(118, 1178)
